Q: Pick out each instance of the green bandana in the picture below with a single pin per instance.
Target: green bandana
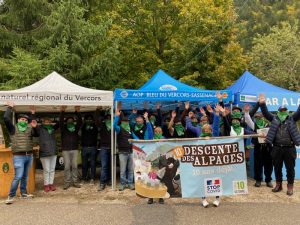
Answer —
(179, 129)
(157, 136)
(282, 115)
(138, 127)
(125, 126)
(206, 134)
(236, 115)
(71, 127)
(22, 126)
(237, 128)
(261, 123)
(194, 124)
(108, 124)
(49, 127)
(152, 120)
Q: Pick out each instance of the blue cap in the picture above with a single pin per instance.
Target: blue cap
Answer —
(283, 107)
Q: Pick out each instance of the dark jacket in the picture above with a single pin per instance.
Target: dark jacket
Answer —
(89, 136)
(122, 138)
(47, 141)
(69, 140)
(275, 125)
(21, 141)
(105, 136)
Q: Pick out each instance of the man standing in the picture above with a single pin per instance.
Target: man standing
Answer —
(69, 146)
(22, 148)
(284, 136)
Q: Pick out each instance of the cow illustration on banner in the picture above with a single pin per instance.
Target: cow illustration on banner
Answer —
(190, 168)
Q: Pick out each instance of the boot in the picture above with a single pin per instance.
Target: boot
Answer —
(278, 187)
(290, 189)
(47, 188)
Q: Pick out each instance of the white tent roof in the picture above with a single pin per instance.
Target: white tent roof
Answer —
(54, 91)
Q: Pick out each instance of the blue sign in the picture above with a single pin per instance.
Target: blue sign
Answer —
(170, 95)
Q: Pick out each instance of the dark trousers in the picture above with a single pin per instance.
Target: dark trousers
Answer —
(262, 162)
(288, 156)
(105, 175)
(88, 156)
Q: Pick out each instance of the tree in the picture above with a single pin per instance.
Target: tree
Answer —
(276, 57)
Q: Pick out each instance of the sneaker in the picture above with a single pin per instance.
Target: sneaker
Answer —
(102, 187)
(25, 195)
(150, 201)
(121, 187)
(47, 188)
(205, 203)
(269, 184)
(131, 187)
(76, 185)
(161, 201)
(66, 186)
(216, 202)
(257, 184)
(9, 200)
(52, 187)
(92, 182)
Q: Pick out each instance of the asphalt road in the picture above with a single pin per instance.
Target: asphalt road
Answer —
(30, 212)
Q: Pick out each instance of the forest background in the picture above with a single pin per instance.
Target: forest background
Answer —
(105, 44)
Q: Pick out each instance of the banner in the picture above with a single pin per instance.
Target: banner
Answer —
(190, 168)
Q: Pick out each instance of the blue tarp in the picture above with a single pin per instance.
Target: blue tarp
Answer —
(247, 88)
(163, 88)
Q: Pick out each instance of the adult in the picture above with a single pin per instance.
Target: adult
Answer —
(89, 136)
(262, 151)
(69, 144)
(48, 151)
(21, 135)
(284, 136)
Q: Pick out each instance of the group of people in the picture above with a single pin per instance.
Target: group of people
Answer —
(278, 148)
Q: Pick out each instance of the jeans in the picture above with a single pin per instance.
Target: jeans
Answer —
(70, 162)
(22, 163)
(105, 175)
(89, 154)
(126, 168)
(49, 163)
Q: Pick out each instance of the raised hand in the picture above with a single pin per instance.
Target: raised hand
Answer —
(209, 109)
(191, 114)
(63, 108)
(261, 98)
(219, 96)
(146, 116)
(77, 108)
(173, 114)
(187, 105)
(158, 105)
(32, 109)
(246, 108)
(10, 104)
(202, 111)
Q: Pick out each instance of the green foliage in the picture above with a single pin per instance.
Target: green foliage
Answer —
(276, 57)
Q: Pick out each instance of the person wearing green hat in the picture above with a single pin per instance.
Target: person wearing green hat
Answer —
(262, 151)
(69, 144)
(48, 151)
(284, 136)
(21, 135)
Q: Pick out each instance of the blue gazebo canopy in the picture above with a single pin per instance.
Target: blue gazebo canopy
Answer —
(248, 87)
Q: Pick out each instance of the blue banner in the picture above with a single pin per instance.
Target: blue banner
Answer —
(190, 168)
(138, 95)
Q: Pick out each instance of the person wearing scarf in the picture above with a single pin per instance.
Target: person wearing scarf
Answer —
(284, 136)
(262, 151)
(48, 151)
(70, 144)
(176, 129)
(104, 145)
(21, 135)
(89, 136)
